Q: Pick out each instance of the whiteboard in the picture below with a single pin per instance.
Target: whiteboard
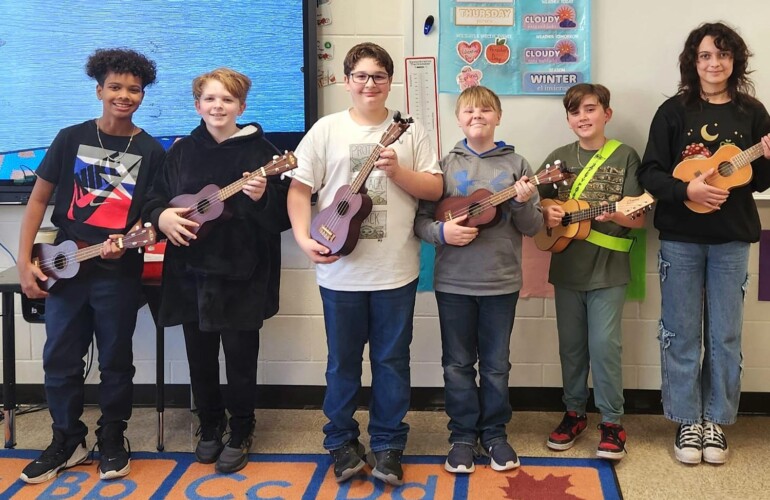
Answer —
(634, 52)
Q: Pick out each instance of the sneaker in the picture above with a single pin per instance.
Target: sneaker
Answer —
(715, 449)
(613, 442)
(348, 460)
(386, 466)
(115, 460)
(210, 444)
(688, 446)
(567, 432)
(502, 457)
(460, 458)
(56, 457)
(235, 454)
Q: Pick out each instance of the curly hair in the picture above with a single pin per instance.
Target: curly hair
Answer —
(740, 88)
(367, 50)
(104, 61)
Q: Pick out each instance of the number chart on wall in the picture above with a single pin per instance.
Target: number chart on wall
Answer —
(514, 47)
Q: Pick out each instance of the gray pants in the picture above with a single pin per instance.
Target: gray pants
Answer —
(589, 325)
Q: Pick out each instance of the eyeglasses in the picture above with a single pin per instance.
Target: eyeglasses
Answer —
(362, 78)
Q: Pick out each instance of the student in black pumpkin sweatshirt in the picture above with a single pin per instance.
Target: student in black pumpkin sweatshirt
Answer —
(221, 286)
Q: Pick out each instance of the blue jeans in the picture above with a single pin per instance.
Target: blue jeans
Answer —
(590, 334)
(99, 303)
(476, 328)
(384, 319)
(702, 290)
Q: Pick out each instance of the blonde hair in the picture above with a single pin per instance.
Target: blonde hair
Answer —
(478, 96)
(234, 82)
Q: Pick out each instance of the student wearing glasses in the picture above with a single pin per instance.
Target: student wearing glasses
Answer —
(368, 295)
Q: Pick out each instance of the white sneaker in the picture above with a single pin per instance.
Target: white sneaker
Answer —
(714, 444)
(688, 446)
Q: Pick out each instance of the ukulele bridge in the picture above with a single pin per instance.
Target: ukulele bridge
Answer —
(326, 233)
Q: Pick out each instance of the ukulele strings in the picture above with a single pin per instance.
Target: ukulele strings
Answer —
(215, 197)
(587, 213)
(87, 252)
(475, 209)
(373, 157)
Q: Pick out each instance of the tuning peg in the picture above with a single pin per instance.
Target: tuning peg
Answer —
(147, 224)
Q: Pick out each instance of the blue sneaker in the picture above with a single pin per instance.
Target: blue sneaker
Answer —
(502, 457)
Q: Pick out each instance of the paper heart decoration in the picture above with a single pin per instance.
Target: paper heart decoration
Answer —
(469, 52)
(469, 77)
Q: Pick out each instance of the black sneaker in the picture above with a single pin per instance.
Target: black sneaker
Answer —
(459, 460)
(715, 449)
(235, 454)
(503, 457)
(115, 460)
(348, 460)
(210, 444)
(386, 466)
(58, 456)
(688, 445)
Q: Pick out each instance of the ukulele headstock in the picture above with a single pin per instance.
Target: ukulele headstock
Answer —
(395, 129)
(552, 174)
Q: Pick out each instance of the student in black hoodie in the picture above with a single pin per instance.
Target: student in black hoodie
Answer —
(221, 286)
(703, 260)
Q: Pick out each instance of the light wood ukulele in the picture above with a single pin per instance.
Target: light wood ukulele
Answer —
(576, 223)
(62, 261)
(483, 207)
(732, 166)
(208, 204)
(338, 226)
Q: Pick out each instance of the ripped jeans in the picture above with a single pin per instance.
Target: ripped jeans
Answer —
(702, 291)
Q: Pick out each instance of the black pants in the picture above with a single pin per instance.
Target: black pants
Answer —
(241, 350)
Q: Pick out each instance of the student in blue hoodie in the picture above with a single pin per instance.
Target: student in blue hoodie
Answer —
(222, 286)
(477, 282)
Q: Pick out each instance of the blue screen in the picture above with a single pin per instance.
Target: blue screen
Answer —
(44, 45)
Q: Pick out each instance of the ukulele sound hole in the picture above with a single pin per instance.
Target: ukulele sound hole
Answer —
(203, 206)
(60, 261)
(726, 169)
(343, 207)
(474, 210)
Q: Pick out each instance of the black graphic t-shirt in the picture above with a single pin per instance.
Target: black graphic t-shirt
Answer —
(100, 188)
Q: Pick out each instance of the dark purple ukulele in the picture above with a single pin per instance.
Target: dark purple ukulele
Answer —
(338, 226)
(208, 203)
(62, 261)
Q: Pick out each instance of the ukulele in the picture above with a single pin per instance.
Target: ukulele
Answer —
(338, 226)
(208, 204)
(732, 166)
(483, 207)
(62, 261)
(576, 223)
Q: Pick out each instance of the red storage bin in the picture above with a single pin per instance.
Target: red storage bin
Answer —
(153, 262)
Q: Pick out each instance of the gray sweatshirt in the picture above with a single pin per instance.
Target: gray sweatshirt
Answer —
(491, 264)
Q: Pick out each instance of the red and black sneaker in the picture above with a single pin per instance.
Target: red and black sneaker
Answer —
(566, 433)
(613, 442)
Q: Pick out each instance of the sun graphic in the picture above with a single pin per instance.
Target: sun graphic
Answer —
(566, 47)
(565, 12)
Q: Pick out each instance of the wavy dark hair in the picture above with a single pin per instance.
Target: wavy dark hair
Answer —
(367, 50)
(121, 61)
(740, 88)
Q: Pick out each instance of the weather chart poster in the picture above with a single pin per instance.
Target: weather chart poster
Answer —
(514, 47)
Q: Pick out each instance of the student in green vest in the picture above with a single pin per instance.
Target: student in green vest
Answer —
(590, 276)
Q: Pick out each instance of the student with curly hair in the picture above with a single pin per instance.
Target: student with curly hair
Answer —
(100, 170)
(703, 260)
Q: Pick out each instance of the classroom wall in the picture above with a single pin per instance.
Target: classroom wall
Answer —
(634, 52)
